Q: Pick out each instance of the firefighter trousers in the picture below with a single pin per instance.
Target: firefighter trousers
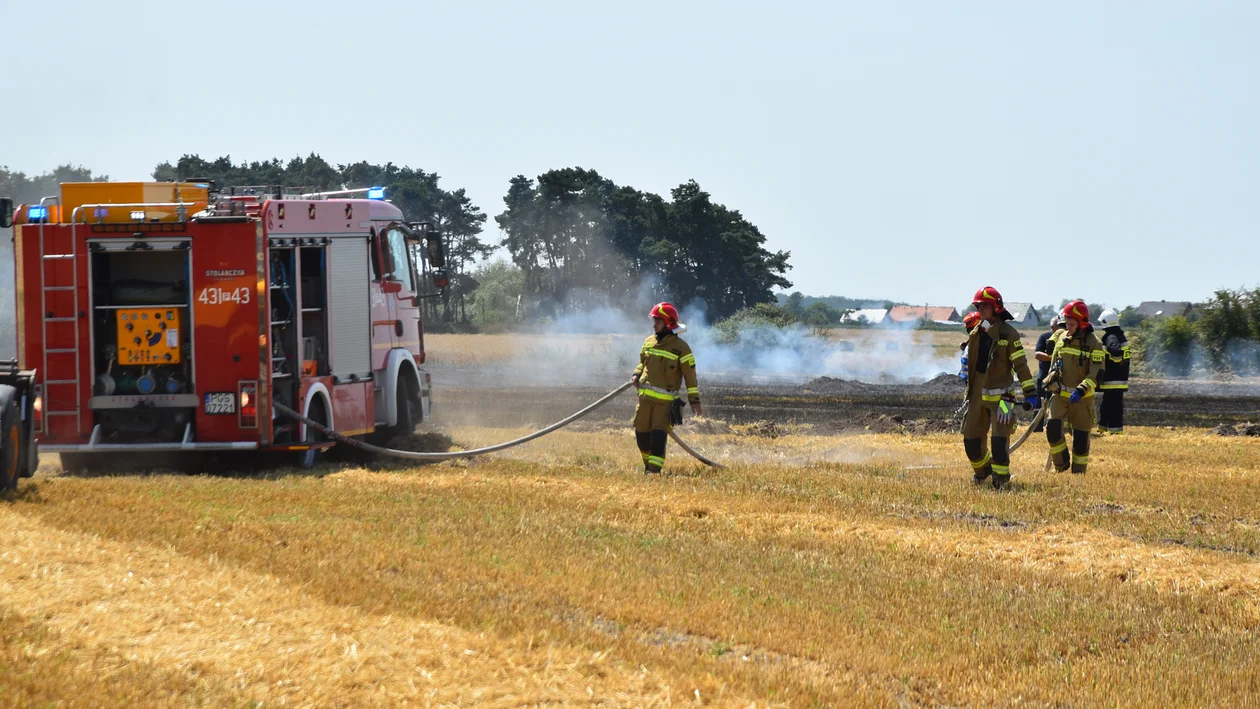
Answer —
(981, 419)
(651, 430)
(1111, 413)
(1080, 416)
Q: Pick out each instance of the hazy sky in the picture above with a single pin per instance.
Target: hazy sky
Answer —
(911, 150)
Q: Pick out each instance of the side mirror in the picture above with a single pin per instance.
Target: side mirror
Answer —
(440, 279)
(6, 212)
(434, 250)
(391, 286)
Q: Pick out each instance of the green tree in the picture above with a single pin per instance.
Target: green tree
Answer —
(578, 238)
(23, 189)
(1164, 345)
(496, 302)
(820, 315)
(1223, 327)
(795, 303)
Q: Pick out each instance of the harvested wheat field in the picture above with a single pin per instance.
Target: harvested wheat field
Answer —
(816, 570)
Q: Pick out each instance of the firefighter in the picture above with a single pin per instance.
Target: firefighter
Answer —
(1045, 344)
(970, 320)
(994, 352)
(1076, 363)
(665, 363)
(1115, 376)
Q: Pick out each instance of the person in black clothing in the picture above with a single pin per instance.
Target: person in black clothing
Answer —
(1043, 349)
(1115, 379)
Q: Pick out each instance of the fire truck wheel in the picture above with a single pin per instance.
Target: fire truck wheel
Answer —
(10, 438)
(308, 459)
(409, 412)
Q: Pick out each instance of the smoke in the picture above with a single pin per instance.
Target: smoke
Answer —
(796, 353)
(598, 344)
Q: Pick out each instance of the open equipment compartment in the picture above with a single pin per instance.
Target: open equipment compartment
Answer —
(141, 337)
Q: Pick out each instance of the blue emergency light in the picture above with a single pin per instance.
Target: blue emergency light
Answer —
(376, 193)
(34, 215)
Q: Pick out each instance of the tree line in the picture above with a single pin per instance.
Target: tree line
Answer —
(1220, 336)
(582, 241)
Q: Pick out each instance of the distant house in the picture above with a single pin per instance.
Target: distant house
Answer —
(1154, 308)
(1023, 314)
(904, 314)
(872, 316)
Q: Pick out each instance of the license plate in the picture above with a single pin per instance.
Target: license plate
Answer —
(220, 403)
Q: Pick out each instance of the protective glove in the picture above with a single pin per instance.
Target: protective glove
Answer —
(1033, 401)
(1077, 393)
(1005, 412)
(962, 373)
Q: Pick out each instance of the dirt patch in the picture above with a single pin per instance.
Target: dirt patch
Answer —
(764, 429)
(708, 426)
(1237, 429)
(885, 423)
(943, 383)
(831, 386)
(433, 442)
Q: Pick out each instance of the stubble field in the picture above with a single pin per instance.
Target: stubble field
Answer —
(845, 568)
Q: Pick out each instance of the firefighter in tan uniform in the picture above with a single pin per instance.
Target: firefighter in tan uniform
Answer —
(1076, 363)
(665, 364)
(994, 355)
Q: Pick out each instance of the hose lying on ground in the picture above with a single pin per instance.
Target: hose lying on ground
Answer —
(453, 455)
(1041, 413)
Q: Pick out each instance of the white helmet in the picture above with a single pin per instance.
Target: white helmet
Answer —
(1109, 318)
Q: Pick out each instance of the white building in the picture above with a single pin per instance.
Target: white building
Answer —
(871, 316)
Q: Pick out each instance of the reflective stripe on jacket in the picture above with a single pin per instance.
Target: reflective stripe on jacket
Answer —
(665, 363)
(1006, 358)
(1115, 374)
(1082, 357)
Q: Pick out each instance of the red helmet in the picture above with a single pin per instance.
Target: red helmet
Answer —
(666, 312)
(1077, 310)
(988, 294)
(970, 319)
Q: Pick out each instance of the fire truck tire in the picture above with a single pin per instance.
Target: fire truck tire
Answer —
(308, 459)
(10, 438)
(409, 411)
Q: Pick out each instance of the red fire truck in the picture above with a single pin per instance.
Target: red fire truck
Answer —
(172, 316)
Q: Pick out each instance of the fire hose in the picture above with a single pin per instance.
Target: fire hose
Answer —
(453, 455)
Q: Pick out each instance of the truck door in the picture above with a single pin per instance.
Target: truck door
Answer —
(403, 308)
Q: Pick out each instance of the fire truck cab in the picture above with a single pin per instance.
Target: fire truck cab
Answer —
(172, 316)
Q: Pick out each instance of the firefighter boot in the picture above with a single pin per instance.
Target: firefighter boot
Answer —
(1001, 465)
(644, 440)
(656, 452)
(1080, 451)
(1058, 445)
(981, 461)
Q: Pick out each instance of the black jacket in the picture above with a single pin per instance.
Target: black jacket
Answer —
(1116, 366)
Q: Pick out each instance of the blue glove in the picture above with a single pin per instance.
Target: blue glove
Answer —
(1033, 400)
(1076, 396)
(962, 374)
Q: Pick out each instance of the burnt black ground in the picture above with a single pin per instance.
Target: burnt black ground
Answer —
(829, 405)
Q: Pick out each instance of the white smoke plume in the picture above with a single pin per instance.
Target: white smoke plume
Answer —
(598, 346)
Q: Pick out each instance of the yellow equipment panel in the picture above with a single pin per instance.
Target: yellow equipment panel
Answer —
(149, 335)
(77, 194)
